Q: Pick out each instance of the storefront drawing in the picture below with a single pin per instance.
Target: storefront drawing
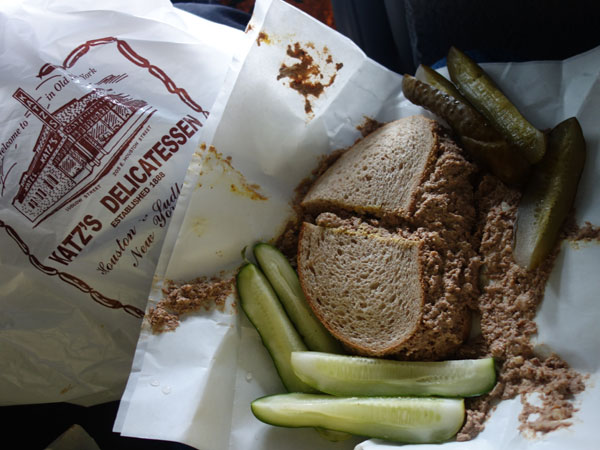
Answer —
(78, 145)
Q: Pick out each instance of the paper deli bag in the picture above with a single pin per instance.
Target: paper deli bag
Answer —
(101, 111)
(302, 91)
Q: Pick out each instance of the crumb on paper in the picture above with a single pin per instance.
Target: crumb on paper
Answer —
(586, 233)
(368, 126)
(182, 298)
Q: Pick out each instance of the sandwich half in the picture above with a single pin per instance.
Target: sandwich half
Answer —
(381, 174)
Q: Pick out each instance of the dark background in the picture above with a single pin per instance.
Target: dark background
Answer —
(399, 34)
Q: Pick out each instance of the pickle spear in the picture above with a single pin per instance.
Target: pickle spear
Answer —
(549, 195)
(460, 115)
(262, 307)
(481, 91)
(401, 419)
(284, 280)
(435, 79)
(474, 132)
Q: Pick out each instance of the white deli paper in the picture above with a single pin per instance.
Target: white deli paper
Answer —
(102, 108)
(195, 385)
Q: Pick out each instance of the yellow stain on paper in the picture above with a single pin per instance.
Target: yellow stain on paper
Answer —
(199, 225)
(217, 169)
(249, 190)
(67, 389)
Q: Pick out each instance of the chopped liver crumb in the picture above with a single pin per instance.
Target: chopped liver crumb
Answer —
(368, 126)
(201, 293)
(587, 232)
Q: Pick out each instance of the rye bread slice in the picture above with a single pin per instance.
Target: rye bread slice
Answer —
(380, 174)
(367, 289)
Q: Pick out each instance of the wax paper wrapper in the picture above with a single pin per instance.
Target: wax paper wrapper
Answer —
(298, 91)
(101, 108)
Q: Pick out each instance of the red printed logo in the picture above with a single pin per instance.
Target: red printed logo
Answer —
(80, 142)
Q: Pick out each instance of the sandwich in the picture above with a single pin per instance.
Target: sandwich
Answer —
(388, 261)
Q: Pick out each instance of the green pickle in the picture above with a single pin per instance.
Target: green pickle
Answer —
(401, 419)
(265, 312)
(278, 334)
(461, 116)
(477, 136)
(435, 79)
(481, 91)
(285, 282)
(549, 195)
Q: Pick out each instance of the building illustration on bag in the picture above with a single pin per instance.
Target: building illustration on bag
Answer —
(78, 144)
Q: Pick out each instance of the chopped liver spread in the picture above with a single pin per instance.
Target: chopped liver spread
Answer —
(443, 220)
(507, 306)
